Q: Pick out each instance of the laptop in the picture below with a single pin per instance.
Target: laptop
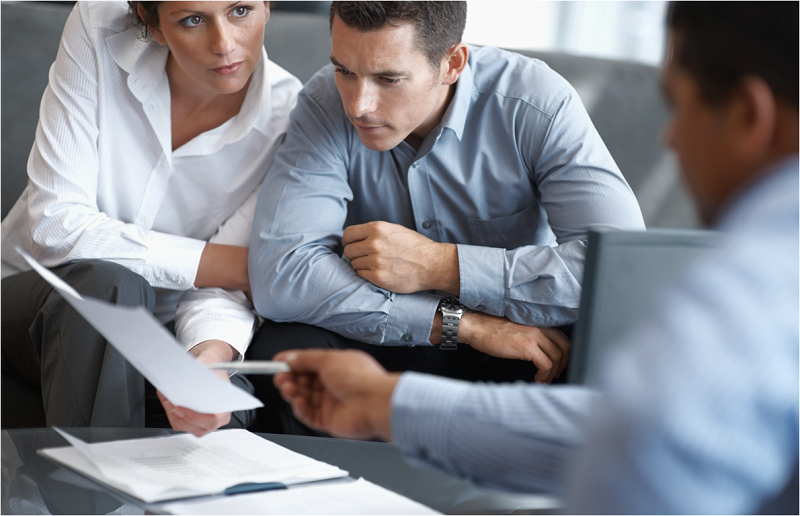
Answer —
(624, 274)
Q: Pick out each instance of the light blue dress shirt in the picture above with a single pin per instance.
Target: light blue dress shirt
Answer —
(699, 411)
(514, 174)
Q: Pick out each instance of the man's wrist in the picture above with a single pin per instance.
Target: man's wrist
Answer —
(473, 327)
(446, 277)
(380, 412)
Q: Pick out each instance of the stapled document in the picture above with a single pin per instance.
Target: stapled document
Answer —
(181, 466)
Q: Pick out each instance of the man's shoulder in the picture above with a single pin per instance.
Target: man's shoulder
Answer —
(321, 88)
(513, 75)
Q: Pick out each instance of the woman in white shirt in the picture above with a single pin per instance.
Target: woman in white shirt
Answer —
(143, 179)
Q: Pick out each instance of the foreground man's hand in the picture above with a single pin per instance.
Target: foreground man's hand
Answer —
(196, 423)
(401, 260)
(343, 392)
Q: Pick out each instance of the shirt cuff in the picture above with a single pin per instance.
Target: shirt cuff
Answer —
(482, 272)
(411, 319)
(422, 414)
(237, 334)
(172, 261)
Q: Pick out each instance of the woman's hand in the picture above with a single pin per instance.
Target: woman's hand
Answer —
(197, 423)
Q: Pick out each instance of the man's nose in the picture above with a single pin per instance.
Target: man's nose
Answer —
(363, 101)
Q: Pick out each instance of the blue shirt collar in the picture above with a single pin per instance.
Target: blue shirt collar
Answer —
(455, 117)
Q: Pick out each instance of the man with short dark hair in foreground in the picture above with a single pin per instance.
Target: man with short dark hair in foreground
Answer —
(698, 409)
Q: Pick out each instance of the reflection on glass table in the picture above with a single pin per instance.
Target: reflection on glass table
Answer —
(32, 484)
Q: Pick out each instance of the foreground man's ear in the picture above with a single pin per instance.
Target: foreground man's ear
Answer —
(765, 127)
(754, 118)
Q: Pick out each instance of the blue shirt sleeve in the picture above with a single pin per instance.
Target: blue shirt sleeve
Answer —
(509, 437)
(579, 186)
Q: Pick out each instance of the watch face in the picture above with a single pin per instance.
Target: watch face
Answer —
(452, 305)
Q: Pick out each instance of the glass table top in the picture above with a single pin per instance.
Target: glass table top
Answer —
(32, 484)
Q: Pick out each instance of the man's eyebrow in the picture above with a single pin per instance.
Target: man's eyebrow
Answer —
(384, 73)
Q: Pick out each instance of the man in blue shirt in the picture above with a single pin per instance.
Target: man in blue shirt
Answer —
(698, 408)
(417, 168)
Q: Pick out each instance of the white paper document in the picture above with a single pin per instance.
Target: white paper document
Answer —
(358, 497)
(154, 352)
(179, 466)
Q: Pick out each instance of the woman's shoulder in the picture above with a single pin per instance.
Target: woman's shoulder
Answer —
(284, 88)
(112, 16)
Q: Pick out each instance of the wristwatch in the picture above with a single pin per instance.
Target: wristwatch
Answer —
(452, 310)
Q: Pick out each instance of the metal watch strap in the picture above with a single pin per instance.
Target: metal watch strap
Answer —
(452, 310)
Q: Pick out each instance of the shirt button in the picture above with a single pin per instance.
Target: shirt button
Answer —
(481, 307)
(427, 224)
(161, 277)
(415, 164)
(406, 337)
(179, 281)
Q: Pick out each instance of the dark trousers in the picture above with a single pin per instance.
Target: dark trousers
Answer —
(464, 363)
(51, 351)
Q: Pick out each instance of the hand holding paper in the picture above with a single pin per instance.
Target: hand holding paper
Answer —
(153, 351)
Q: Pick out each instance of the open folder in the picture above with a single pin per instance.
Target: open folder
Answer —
(179, 466)
(154, 352)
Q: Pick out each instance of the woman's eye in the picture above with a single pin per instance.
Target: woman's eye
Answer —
(241, 11)
(192, 21)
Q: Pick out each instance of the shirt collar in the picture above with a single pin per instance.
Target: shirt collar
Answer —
(256, 106)
(455, 117)
(778, 180)
(145, 61)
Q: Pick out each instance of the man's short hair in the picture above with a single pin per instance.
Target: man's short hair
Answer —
(439, 25)
(722, 42)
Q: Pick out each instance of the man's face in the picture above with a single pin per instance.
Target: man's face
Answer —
(388, 89)
(700, 135)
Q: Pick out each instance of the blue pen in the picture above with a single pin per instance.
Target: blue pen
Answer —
(251, 487)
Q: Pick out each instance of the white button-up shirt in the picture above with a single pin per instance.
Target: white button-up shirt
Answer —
(105, 183)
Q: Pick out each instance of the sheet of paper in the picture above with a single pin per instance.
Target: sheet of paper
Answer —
(154, 352)
(357, 497)
(178, 466)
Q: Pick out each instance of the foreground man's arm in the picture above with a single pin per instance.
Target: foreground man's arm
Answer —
(501, 436)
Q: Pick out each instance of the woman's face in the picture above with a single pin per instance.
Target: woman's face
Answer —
(213, 45)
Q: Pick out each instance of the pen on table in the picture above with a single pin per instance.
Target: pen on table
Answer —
(252, 366)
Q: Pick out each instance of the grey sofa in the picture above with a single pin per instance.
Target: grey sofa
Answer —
(622, 100)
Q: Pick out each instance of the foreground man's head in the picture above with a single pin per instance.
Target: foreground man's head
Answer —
(731, 79)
